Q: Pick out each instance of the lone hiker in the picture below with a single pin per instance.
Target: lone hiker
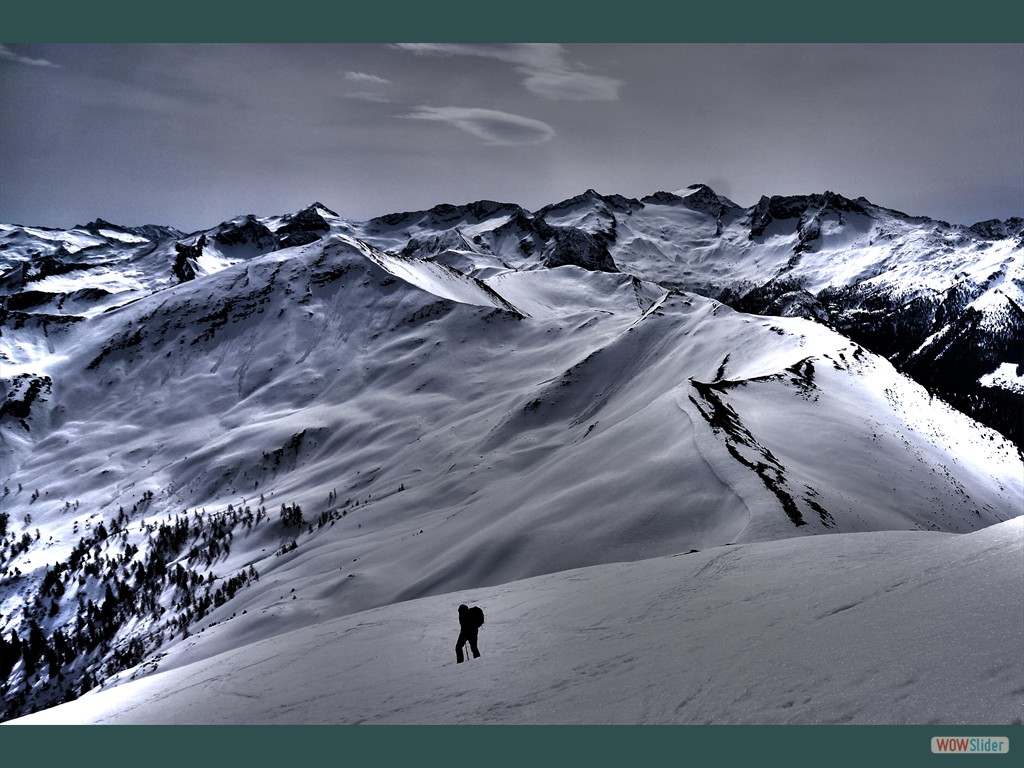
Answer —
(470, 620)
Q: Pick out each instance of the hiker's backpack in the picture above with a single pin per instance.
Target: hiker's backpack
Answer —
(476, 613)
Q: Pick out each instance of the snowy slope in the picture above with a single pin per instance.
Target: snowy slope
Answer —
(893, 628)
(96, 256)
(468, 410)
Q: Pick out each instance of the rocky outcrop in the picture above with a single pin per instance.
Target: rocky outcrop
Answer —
(306, 226)
(248, 231)
(187, 254)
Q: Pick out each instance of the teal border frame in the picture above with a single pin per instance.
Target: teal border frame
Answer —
(641, 21)
(495, 746)
(316, 21)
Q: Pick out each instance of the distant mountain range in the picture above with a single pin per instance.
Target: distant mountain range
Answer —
(197, 428)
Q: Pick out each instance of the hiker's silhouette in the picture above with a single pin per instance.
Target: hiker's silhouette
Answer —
(470, 620)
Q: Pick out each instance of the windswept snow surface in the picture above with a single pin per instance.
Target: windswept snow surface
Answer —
(892, 627)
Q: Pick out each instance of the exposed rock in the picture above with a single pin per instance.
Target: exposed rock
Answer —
(800, 303)
(248, 231)
(574, 246)
(662, 198)
(183, 268)
(779, 208)
(994, 229)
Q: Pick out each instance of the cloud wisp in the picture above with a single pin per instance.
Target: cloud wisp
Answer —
(366, 79)
(371, 86)
(8, 55)
(493, 127)
(545, 68)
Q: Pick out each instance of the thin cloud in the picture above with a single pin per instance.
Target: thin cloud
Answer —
(365, 79)
(370, 96)
(572, 86)
(540, 55)
(493, 127)
(545, 69)
(9, 55)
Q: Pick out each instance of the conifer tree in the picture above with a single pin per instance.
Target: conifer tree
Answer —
(10, 652)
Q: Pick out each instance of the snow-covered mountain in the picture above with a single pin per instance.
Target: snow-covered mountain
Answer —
(944, 303)
(283, 423)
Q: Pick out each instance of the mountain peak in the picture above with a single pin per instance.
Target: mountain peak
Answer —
(662, 198)
(246, 230)
(696, 197)
(592, 197)
(98, 224)
(698, 187)
(779, 207)
(148, 231)
(317, 208)
(704, 198)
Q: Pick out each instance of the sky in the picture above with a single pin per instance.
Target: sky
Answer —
(190, 135)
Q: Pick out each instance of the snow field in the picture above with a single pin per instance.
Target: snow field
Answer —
(896, 628)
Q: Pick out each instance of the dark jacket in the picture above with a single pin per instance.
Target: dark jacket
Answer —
(466, 624)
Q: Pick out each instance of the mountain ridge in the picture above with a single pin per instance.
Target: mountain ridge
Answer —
(376, 412)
